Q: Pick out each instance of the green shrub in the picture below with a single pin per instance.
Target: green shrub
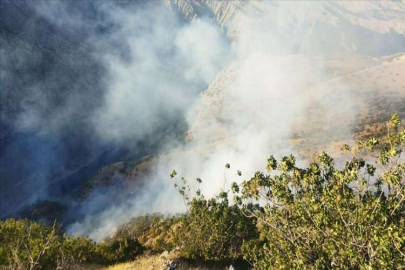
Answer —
(346, 216)
(153, 231)
(119, 249)
(323, 216)
(28, 245)
(83, 249)
(212, 229)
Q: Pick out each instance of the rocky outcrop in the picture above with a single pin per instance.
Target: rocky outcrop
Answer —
(350, 25)
(222, 11)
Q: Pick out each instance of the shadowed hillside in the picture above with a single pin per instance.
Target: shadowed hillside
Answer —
(101, 100)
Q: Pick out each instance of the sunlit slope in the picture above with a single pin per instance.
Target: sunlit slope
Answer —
(365, 27)
(350, 99)
(346, 90)
(373, 94)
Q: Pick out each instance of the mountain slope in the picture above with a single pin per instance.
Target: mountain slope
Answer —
(50, 84)
(351, 25)
(305, 75)
(374, 87)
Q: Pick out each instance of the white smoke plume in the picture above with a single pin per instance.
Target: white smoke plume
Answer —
(166, 64)
(247, 113)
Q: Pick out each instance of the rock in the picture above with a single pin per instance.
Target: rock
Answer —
(370, 18)
(164, 254)
(169, 265)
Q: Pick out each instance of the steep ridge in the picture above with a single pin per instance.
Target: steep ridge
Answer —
(350, 24)
(378, 16)
(222, 11)
(355, 61)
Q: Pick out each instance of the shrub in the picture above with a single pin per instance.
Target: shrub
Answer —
(28, 245)
(153, 231)
(324, 216)
(213, 229)
(119, 249)
(347, 216)
(82, 249)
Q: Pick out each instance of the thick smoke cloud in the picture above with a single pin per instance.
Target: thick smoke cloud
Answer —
(260, 84)
(266, 88)
(48, 76)
(96, 76)
(166, 65)
(156, 64)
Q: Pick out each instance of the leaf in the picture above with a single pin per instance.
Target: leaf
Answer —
(173, 174)
(395, 120)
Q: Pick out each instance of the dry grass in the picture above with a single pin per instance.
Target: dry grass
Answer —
(145, 262)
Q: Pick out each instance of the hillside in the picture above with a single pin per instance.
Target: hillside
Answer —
(45, 69)
(103, 100)
(202, 134)
(376, 86)
(54, 82)
(351, 25)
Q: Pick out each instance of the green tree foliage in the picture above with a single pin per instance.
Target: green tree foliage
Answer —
(329, 215)
(28, 245)
(215, 230)
(119, 249)
(212, 229)
(346, 216)
(154, 231)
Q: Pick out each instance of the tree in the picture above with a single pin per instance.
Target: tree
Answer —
(345, 216)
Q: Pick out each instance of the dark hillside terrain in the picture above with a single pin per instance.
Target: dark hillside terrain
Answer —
(45, 69)
(52, 81)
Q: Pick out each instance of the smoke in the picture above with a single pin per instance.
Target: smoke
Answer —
(50, 84)
(264, 74)
(94, 76)
(166, 65)
(247, 113)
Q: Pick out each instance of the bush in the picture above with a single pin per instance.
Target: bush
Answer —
(119, 249)
(345, 216)
(213, 229)
(153, 231)
(330, 217)
(82, 250)
(28, 245)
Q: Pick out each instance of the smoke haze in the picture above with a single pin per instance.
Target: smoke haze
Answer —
(262, 73)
